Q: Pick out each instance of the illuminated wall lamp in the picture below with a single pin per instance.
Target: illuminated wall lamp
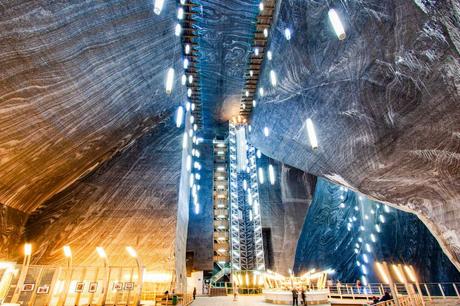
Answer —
(312, 134)
(337, 24)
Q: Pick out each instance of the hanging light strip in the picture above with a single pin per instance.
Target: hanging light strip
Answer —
(261, 36)
(190, 53)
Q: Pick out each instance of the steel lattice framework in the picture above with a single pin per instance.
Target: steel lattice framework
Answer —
(247, 252)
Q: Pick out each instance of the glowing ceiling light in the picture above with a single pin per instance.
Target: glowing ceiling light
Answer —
(382, 273)
(177, 29)
(410, 273)
(158, 6)
(179, 116)
(132, 252)
(364, 279)
(273, 78)
(382, 218)
(266, 32)
(27, 249)
(197, 209)
(190, 79)
(184, 141)
(180, 13)
(256, 51)
(187, 49)
(365, 258)
(187, 106)
(258, 154)
(342, 205)
(368, 248)
(189, 92)
(261, 91)
(192, 106)
(373, 239)
(195, 127)
(188, 163)
(398, 273)
(271, 174)
(186, 62)
(183, 79)
(261, 6)
(386, 208)
(67, 251)
(336, 24)
(261, 176)
(266, 131)
(269, 55)
(246, 93)
(169, 80)
(254, 103)
(364, 269)
(377, 228)
(287, 34)
(101, 252)
(312, 134)
(192, 119)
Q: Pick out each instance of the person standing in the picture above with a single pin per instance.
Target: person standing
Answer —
(358, 286)
(194, 292)
(303, 296)
(295, 297)
(235, 293)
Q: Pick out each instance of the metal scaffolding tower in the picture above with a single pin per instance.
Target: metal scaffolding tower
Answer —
(246, 242)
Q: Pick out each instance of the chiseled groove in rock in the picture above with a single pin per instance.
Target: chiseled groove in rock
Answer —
(78, 81)
(378, 99)
(130, 200)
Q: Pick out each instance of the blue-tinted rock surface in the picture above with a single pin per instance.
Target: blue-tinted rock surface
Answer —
(384, 103)
(325, 241)
(283, 206)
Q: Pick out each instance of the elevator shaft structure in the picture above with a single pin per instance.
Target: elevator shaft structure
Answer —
(247, 252)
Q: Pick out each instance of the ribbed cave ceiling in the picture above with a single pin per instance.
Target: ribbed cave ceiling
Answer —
(384, 103)
(80, 81)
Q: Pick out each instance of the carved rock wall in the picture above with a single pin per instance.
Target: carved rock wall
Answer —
(403, 239)
(284, 206)
(129, 200)
(384, 102)
(79, 80)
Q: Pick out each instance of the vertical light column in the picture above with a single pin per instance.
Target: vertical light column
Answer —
(234, 207)
(254, 188)
(220, 200)
(246, 227)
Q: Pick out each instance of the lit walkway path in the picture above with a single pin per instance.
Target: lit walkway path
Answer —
(252, 300)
